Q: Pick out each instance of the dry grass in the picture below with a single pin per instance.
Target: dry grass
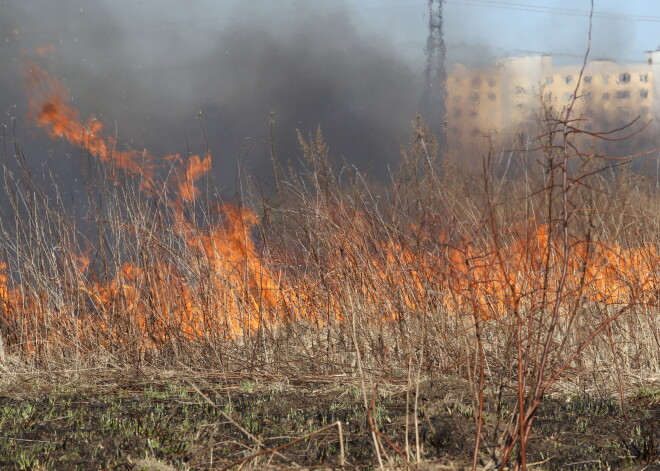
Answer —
(541, 267)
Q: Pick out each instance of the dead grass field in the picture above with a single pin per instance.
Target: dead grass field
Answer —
(505, 317)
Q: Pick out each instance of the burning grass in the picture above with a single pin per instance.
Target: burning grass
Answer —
(508, 281)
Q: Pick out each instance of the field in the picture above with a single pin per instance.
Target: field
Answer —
(502, 317)
(173, 420)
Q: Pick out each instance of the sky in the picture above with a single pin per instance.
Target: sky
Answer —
(622, 30)
(241, 76)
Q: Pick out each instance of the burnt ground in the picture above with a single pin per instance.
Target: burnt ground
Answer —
(211, 421)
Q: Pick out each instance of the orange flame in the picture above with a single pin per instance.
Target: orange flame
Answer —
(195, 169)
(48, 107)
(46, 49)
(242, 291)
(228, 249)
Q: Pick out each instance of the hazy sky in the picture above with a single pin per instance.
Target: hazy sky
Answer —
(149, 67)
(622, 30)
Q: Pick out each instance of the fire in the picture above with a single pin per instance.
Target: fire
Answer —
(46, 49)
(245, 288)
(195, 169)
(229, 286)
(603, 272)
(48, 107)
(7, 296)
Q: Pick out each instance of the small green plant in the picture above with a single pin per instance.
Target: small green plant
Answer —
(248, 386)
(642, 445)
(649, 394)
(26, 461)
(381, 416)
(585, 405)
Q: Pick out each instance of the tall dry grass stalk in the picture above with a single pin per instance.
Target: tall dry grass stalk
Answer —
(542, 267)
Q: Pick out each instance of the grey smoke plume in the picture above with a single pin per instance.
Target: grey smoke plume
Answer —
(150, 69)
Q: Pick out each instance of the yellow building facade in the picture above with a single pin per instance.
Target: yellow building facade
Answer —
(502, 103)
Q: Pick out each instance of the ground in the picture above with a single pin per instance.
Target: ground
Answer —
(127, 421)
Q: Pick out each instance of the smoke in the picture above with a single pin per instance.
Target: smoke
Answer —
(174, 77)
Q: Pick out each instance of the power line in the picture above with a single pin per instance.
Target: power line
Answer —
(635, 60)
(498, 4)
(554, 10)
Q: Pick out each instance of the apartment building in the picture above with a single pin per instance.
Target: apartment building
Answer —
(502, 103)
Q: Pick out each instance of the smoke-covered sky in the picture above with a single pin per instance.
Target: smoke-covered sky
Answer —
(175, 76)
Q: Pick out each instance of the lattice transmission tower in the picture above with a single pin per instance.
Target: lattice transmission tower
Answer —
(435, 75)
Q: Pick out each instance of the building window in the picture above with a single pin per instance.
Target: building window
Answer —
(567, 97)
(568, 79)
(492, 97)
(492, 82)
(457, 113)
(475, 132)
(520, 90)
(476, 82)
(456, 99)
(587, 79)
(606, 96)
(474, 98)
(643, 93)
(644, 78)
(548, 81)
(473, 114)
(624, 77)
(623, 94)
(606, 79)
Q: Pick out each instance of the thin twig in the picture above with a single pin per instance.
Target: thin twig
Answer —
(292, 442)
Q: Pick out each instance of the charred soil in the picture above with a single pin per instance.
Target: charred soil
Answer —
(211, 421)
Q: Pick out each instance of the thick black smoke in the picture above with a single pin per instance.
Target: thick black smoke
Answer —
(160, 73)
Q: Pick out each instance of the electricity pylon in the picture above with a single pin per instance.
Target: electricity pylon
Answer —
(435, 75)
